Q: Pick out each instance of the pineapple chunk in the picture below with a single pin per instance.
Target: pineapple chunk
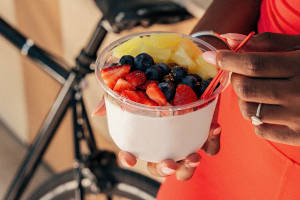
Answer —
(165, 40)
(158, 55)
(181, 57)
(160, 43)
(127, 47)
(190, 47)
(203, 69)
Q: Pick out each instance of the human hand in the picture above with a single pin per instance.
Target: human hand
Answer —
(183, 169)
(266, 71)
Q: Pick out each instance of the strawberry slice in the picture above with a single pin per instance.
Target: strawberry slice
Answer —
(184, 95)
(132, 95)
(142, 94)
(149, 102)
(123, 85)
(111, 75)
(155, 94)
(136, 78)
(146, 100)
(144, 86)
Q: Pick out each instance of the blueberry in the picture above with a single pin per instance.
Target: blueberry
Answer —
(143, 61)
(197, 77)
(127, 60)
(191, 81)
(179, 73)
(168, 89)
(164, 67)
(154, 73)
(204, 85)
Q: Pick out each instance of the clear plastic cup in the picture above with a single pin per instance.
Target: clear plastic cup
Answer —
(156, 133)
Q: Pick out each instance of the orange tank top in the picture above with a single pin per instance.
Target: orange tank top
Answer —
(247, 167)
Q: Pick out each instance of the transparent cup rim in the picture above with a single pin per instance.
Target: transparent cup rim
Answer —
(100, 63)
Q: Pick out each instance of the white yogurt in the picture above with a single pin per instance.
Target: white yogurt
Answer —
(157, 138)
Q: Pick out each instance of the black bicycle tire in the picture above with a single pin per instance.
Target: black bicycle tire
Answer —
(140, 187)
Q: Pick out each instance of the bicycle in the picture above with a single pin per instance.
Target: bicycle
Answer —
(96, 171)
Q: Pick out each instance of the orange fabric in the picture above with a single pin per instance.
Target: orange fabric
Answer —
(280, 16)
(246, 167)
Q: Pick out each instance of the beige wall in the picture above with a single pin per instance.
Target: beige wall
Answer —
(13, 110)
(63, 27)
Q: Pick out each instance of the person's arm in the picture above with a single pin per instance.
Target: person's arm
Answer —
(230, 16)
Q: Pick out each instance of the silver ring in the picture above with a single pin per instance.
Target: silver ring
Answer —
(256, 121)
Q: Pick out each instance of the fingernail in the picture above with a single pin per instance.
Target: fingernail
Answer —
(191, 164)
(217, 131)
(233, 36)
(210, 57)
(100, 109)
(167, 171)
(124, 163)
(233, 39)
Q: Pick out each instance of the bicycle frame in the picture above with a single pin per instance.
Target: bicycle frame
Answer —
(68, 96)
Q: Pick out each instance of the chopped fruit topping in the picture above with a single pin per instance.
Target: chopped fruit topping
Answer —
(143, 61)
(136, 78)
(168, 89)
(159, 46)
(191, 81)
(165, 68)
(142, 94)
(158, 55)
(144, 86)
(179, 73)
(149, 102)
(132, 95)
(184, 95)
(181, 57)
(155, 94)
(194, 81)
(159, 69)
(146, 100)
(127, 60)
(111, 75)
(123, 85)
(205, 85)
(190, 47)
(127, 47)
(154, 73)
(204, 69)
(197, 77)
(168, 78)
(165, 40)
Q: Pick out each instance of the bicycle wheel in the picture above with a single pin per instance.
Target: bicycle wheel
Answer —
(130, 185)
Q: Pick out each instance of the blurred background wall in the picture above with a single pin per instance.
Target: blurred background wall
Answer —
(26, 92)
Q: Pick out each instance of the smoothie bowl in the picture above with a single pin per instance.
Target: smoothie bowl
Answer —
(153, 82)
